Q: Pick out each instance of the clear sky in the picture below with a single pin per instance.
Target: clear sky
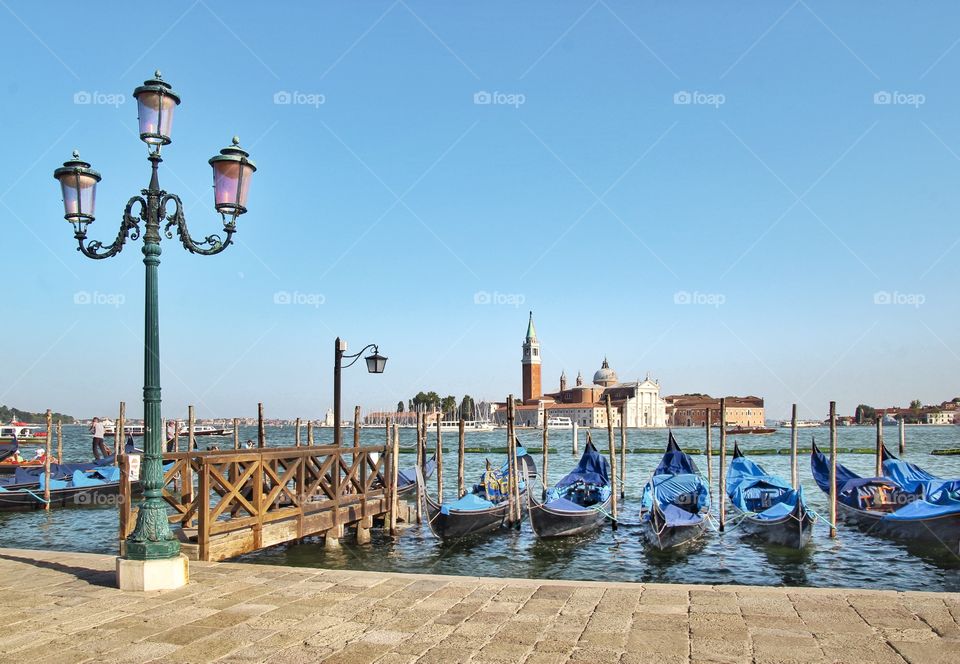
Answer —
(750, 197)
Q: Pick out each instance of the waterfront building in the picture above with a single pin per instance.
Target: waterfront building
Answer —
(690, 410)
(638, 401)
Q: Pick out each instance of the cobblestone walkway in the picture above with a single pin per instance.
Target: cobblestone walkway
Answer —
(62, 607)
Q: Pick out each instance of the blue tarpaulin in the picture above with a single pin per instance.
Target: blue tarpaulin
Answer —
(752, 490)
(468, 502)
(592, 469)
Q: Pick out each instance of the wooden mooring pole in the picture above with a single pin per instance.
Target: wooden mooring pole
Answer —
(722, 489)
(903, 435)
(546, 457)
(878, 462)
(709, 452)
(576, 442)
(296, 434)
(118, 439)
(394, 448)
(46, 463)
(461, 445)
(59, 441)
(356, 426)
(516, 471)
(420, 465)
(511, 462)
(236, 433)
(623, 452)
(833, 469)
(176, 435)
(439, 460)
(191, 424)
(612, 449)
(309, 433)
(261, 433)
(794, 469)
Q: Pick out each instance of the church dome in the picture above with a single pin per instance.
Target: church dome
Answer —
(605, 376)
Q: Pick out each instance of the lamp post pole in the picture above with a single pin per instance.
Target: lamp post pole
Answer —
(152, 539)
(375, 364)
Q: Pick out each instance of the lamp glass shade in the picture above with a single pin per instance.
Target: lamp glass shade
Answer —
(231, 184)
(375, 363)
(79, 194)
(155, 109)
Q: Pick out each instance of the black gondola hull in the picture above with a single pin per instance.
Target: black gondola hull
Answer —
(661, 536)
(940, 530)
(547, 522)
(88, 496)
(464, 523)
(793, 530)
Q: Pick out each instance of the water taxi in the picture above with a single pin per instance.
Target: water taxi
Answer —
(24, 433)
(559, 423)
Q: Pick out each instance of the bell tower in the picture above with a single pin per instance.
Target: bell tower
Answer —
(532, 390)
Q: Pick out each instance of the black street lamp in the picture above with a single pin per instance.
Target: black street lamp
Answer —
(375, 364)
(152, 538)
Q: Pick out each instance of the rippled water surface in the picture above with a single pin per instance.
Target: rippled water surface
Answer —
(854, 559)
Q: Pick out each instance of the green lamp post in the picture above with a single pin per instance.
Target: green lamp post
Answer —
(152, 538)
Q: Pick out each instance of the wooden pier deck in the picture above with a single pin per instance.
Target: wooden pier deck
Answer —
(227, 503)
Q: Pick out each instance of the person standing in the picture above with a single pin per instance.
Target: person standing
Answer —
(98, 447)
(172, 435)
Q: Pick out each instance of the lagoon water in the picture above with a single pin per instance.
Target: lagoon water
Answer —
(854, 559)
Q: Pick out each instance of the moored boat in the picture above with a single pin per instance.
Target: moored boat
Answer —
(750, 431)
(676, 501)
(484, 509)
(578, 503)
(83, 489)
(769, 507)
(885, 506)
(559, 422)
(23, 433)
(407, 478)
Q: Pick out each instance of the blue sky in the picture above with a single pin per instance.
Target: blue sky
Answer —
(753, 197)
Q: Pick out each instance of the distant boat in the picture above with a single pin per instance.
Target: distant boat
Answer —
(468, 425)
(204, 430)
(801, 424)
(110, 429)
(559, 423)
(24, 433)
(750, 431)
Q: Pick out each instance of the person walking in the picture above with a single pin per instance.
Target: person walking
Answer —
(98, 447)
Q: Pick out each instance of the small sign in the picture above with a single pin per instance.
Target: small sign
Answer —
(134, 467)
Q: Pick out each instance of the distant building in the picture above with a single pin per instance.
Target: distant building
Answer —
(690, 410)
(639, 401)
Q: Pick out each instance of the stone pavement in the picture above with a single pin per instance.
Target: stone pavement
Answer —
(62, 607)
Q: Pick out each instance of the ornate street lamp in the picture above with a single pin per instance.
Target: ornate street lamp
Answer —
(152, 539)
(375, 364)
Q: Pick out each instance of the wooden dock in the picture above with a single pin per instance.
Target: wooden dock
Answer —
(227, 503)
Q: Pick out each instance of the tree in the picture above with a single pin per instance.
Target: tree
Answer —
(916, 404)
(399, 406)
(448, 405)
(467, 407)
(426, 401)
(866, 414)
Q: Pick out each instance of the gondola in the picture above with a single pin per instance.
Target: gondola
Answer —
(407, 479)
(883, 506)
(578, 503)
(676, 501)
(917, 480)
(484, 509)
(82, 489)
(770, 508)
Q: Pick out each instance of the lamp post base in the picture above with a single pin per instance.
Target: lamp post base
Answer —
(146, 575)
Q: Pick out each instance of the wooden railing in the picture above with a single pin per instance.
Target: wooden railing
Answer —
(267, 495)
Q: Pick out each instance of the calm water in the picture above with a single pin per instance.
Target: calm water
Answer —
(853, 559)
